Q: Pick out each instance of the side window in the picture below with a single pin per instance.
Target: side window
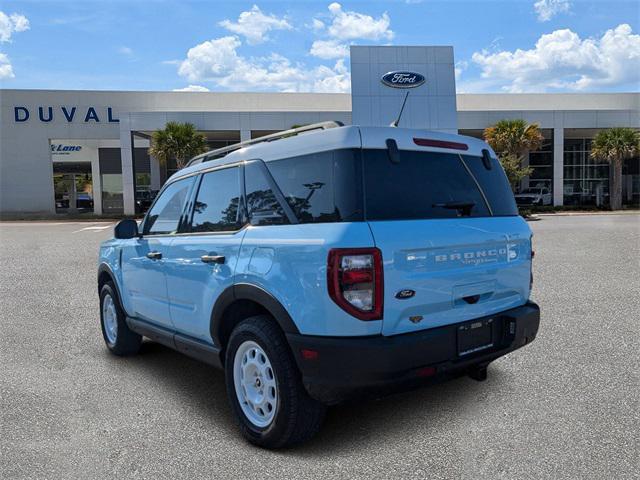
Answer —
(262, 204)
(321, 187)
(165, 215)
(216, 208)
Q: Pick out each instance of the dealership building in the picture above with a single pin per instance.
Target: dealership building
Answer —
(86, 151)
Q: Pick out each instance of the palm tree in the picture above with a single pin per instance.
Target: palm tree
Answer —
(614, 146)
(179, 141)
(512, 140)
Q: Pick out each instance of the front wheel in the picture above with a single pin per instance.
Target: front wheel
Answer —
(119, 338)
(264, 386)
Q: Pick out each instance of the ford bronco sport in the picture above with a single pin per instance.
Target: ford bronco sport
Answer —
(323, 262)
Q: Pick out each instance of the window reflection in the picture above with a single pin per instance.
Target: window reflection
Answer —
(216, 207)
(321, 187)
(165, 215)
(262, 205)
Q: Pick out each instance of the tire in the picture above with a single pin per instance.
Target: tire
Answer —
(293, 416)
(118, 337)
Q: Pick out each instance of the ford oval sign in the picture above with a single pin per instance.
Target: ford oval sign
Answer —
(402, 79)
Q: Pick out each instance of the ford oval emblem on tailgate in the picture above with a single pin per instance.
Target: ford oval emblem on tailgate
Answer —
(402, 294)
(402, 79)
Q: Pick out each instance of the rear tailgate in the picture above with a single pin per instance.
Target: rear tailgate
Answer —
(446, 222)
(459, 269)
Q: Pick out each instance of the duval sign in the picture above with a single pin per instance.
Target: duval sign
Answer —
(64, 113)
(402, 79)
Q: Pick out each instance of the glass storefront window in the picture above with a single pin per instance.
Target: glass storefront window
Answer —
(112, 201)
(586, 181)
(541, 161)
(73, 187)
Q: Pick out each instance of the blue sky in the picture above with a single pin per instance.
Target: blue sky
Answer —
(500, 46)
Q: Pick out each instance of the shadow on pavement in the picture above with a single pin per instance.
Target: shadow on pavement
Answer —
(353, 426)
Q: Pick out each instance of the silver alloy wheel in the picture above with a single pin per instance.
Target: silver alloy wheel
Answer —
(255, 384)
(110, 319)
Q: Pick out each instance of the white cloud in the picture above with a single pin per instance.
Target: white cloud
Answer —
(561, 60)
(547, 9)
(192, 88)
(125, 51)
(327, 49)
(254, 25)
(210, 59)
(346, 25)
(6, 70)
(10, 24)
(219, 62)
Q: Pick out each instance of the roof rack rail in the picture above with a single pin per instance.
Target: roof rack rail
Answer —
(221, 152)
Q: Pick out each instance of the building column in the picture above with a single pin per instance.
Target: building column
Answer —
(154, 166)
(126, 159)
(245, 135)
(524, 183)
(96, 184)
(558, 166)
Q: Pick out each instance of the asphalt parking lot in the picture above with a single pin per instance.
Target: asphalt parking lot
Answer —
(566, 406)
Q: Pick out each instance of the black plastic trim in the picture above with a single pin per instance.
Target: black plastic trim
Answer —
(106, 268)
(190, 346)
(247, 291)
(347, 365)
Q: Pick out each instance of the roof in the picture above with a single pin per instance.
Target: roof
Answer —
(316, 141)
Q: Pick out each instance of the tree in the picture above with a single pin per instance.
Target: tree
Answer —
(179, 141)
(614, 146)
(512, 140)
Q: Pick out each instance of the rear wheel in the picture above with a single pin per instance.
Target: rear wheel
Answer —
(264, 386)
(120, 339)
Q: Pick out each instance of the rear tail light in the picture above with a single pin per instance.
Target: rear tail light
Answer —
(354, 279)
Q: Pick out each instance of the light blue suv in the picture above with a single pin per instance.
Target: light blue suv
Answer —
(325, 262)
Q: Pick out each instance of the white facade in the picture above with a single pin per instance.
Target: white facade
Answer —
(102, 121)
(431, 105)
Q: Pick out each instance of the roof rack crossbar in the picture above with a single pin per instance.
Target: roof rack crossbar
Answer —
(221, 152)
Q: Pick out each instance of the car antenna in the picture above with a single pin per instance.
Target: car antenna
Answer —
(397, 120)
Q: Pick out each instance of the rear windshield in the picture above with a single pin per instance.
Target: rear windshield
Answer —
(427, 185)
(494, 184)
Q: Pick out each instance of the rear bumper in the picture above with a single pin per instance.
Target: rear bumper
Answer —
(345, 367)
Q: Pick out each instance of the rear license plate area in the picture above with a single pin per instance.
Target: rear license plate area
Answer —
(475, 336)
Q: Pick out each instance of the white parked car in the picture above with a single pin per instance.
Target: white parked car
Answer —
(534, 196)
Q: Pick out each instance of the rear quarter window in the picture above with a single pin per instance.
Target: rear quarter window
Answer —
(321, 187)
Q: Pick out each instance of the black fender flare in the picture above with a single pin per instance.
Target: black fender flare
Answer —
(106, 268)
(247, 291)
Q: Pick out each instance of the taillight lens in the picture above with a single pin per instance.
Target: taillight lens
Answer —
(354, 279)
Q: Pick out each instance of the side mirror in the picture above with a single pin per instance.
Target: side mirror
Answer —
(126, 228)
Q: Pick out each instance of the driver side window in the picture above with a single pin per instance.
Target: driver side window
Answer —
(164, 217)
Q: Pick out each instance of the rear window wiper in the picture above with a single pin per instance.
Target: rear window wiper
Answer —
(463, 207)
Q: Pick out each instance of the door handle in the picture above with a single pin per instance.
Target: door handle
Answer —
(219, 259)
(154, 255)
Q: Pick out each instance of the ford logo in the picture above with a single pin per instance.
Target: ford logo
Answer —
(407, 293)
(401, 79)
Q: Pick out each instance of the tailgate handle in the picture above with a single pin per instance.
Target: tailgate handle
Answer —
(471, 299)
